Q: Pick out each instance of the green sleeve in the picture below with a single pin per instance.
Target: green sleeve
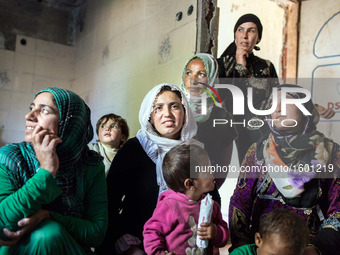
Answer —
(248, 249)
(17, 204)
(89, 230)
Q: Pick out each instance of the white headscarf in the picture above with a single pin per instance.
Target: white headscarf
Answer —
(154, 145)
(195, 102)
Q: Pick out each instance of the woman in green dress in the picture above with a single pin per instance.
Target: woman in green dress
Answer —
(53, 191)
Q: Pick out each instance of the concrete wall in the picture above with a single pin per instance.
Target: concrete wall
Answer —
(38, 19)
(272, 19)
(319, 58)
(126, 48)
(36, 65)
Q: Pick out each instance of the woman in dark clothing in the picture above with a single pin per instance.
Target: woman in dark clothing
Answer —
(245, 70)
(135, 179)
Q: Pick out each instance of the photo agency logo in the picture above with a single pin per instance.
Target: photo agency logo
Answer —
(239, 105)
(274, 110)
(279, 99)
(204, 97)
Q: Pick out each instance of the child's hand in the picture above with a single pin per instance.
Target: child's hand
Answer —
(206, 231)
(170, 253)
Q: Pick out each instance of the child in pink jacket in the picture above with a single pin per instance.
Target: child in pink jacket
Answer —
(173, 225)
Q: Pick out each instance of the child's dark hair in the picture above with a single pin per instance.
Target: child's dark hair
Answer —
(118, 121)
(289, 226)
(178, 162)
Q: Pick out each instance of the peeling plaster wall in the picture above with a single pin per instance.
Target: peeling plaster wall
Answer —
(272, 19)
(126, 48)
(207, 20)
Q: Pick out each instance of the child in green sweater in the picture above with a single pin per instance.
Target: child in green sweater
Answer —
(281, 233)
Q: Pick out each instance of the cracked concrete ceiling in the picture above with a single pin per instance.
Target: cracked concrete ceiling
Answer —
(51, 20)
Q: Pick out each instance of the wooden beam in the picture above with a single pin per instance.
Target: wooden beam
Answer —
(291, 35)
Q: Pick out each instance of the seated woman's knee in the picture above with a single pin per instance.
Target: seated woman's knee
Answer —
(48, 231)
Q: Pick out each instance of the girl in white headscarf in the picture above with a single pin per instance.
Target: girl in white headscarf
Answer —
(135, 178)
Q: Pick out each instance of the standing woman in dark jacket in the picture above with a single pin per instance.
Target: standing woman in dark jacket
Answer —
(245, 70)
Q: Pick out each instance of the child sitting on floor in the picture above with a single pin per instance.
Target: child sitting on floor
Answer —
(173, 227)
(281, 233)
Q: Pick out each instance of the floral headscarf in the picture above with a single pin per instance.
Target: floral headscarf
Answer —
(303, 150)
